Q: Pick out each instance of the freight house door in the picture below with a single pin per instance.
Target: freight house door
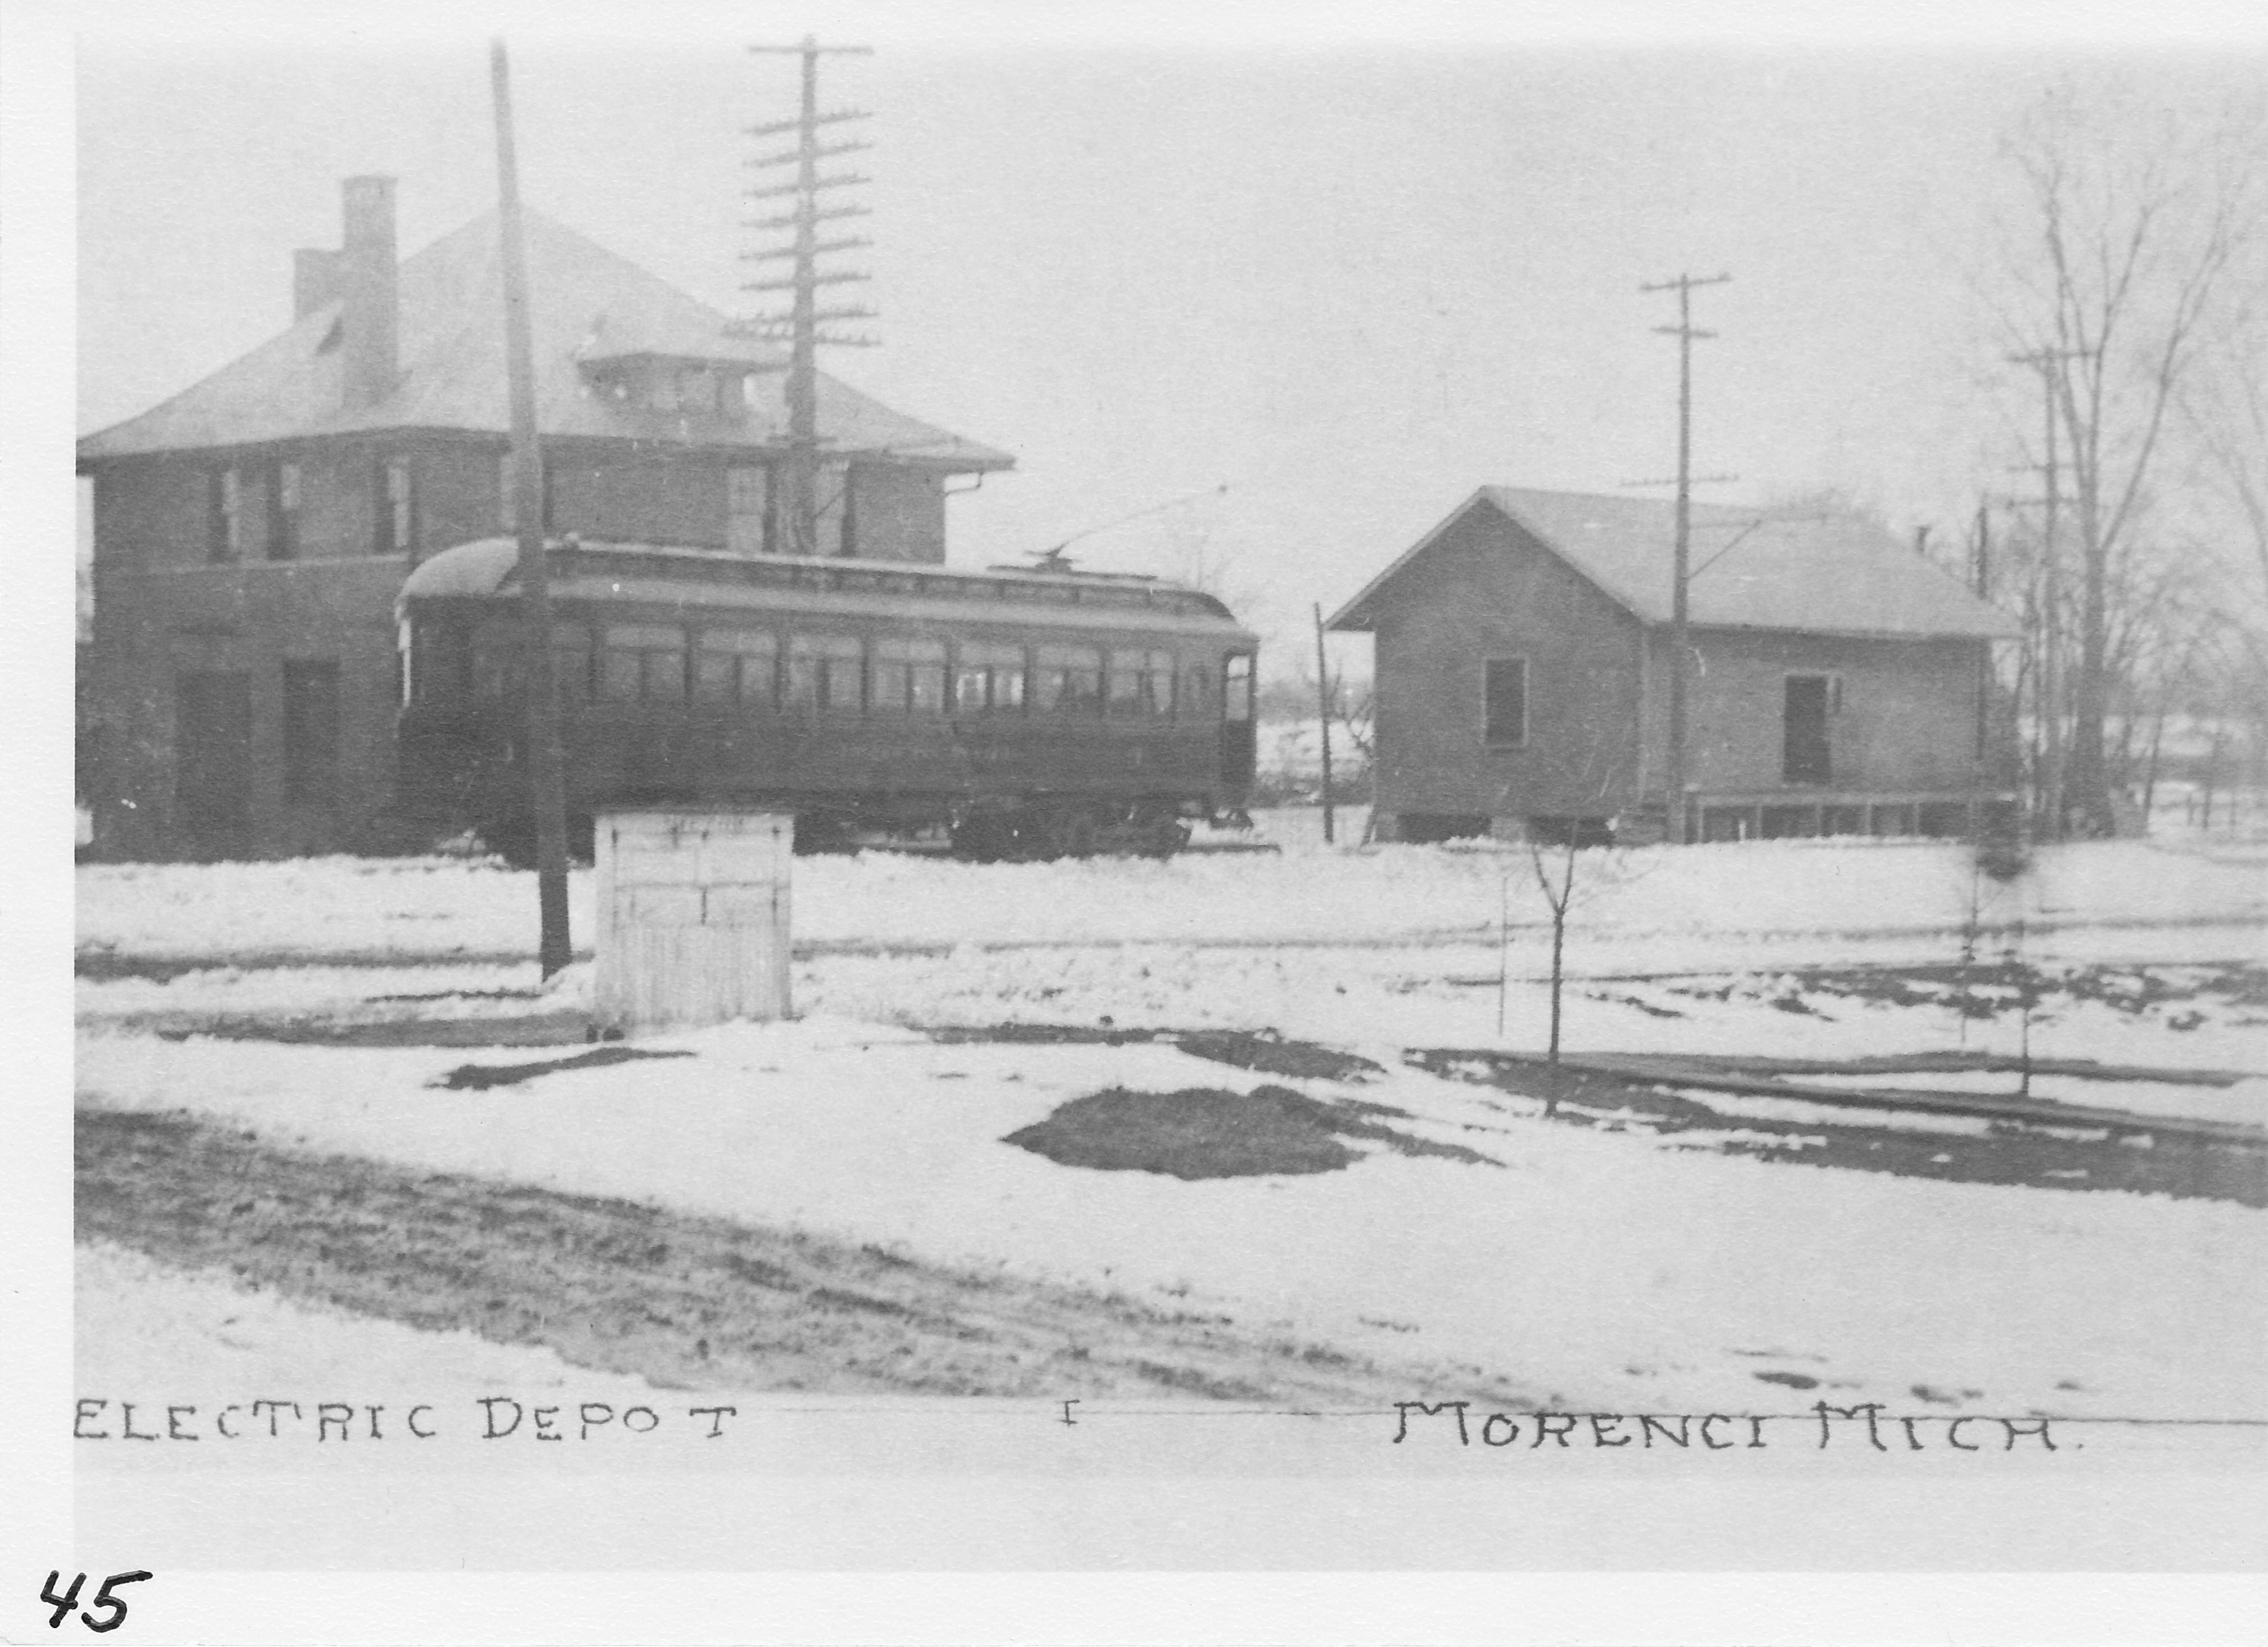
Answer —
(212, 763)
(1803, 746)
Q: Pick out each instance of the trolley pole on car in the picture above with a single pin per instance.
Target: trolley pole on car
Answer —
(1324, 719)
(548, 785)
(1680, 642)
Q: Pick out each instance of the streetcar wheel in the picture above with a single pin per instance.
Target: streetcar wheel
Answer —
(986, 839)
(1164, 838)
(1069, 835)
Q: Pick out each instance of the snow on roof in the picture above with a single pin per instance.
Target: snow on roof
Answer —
(587, 304)
(1757, 568)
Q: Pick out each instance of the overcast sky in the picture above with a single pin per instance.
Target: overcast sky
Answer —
(1350, 283)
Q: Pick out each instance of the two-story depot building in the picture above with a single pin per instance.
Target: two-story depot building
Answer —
(251, 534)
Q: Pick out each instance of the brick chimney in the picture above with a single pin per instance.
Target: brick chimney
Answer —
(365, 274)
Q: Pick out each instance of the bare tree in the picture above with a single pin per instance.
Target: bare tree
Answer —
(2123, 261)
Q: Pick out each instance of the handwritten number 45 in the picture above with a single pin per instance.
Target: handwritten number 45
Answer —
(63, 1603)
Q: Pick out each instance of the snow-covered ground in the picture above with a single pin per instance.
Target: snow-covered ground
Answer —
(143, 1326)
(1608, 1268)
(1666, 907)
(1602, 1271)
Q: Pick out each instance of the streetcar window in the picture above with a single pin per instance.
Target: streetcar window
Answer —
(436, 667)
(736, 666)
(642, 661)
(1071, 677)
(1236, 687)
(1123, 686)
(823, 673)
(570, 663)
(1199, 686)
(496, 659)
(988, 677)
(1141, 683)
(908, 676)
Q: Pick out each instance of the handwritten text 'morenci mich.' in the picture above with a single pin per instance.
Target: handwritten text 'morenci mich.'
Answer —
(1864, 1425)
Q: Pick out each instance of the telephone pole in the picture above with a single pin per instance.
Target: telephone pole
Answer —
(547, 785)
(2049, 364)
(1680, 643)
(797, 511)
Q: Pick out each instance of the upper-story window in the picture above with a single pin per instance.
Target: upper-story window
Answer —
(225, 524)
(284, 491)
(395, 488)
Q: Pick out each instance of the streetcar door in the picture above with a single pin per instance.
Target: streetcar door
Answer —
(213, 761)
(1237, 736)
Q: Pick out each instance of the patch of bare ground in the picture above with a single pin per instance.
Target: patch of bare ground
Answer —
(2069, 1156)
(684, 1301)
(1209, 1132)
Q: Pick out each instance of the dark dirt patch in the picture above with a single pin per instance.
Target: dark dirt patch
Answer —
(1210, 1132)
(481, 1077)
(2010, 1152)
(1263, 1051)
(534, 1029)
(1991, 988)
(681, 1300)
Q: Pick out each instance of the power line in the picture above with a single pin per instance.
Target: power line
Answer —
(802, 320)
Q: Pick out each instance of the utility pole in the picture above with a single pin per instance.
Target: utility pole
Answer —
(1324, 718)
(2049, 364)
(547, 787)
(1981, 576)
(797, 515)
(1680, 642)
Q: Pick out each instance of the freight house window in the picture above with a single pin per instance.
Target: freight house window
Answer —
(908, 676)
(736, 666)
(823, 673)
(643, 662)
(1071, 678)
(987, 677)
(311, 732)
(1505, 693)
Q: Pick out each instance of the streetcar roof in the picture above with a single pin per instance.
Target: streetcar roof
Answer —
(675, 575)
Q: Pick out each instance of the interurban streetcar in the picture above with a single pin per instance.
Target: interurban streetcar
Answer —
(1018, 712)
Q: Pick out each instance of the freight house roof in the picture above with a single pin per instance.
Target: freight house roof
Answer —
(1752, 568)
(593, 314)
